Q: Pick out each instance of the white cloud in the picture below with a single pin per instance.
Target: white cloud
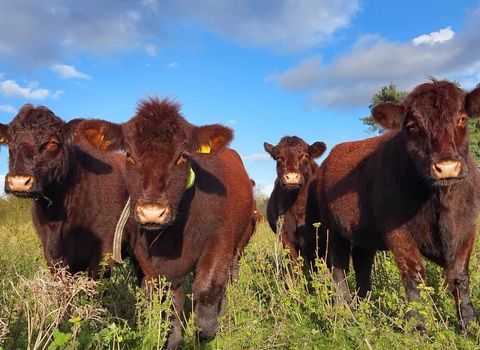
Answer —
(151, 50)
(280, 24)
(258, 157)
(42, 33)
(68, 72)
(173, 65)
(9, 88)
(7, 109)
(435, 37)
(350, 80)
(151, 4)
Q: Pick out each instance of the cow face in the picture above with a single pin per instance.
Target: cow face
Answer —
(37, 143)
(294, 159)
(159, 145)
(433, 118)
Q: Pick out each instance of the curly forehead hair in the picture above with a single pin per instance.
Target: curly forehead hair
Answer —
(37, 118)
(158, 123)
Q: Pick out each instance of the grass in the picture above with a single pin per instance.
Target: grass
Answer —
(267, 309)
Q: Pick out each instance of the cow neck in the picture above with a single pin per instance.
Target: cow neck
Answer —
(54, 197)
(294, 197)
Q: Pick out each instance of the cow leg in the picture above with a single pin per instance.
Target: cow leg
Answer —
(175, 338)
(340, 256)
(458, 283)
(362, 264)
(211, 278)
(409, 262)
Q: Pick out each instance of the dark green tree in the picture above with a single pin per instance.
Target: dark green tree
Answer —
(386, 94)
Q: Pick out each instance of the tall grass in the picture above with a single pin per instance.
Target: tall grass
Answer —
(267, 308)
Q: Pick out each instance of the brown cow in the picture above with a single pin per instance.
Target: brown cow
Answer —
(293, 199)
(246, 237)
(191, 208)
(413, 190)
(78, 196)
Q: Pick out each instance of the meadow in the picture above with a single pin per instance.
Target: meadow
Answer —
(267, 309)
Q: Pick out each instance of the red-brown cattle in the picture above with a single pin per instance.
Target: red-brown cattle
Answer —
(294, 200)
(413, 190)
(78, 196)
(246, 237)
(192, 208)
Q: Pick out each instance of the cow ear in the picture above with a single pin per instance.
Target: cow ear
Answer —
(317, 149)
(69, 130)
(390, 116)
(472, 103)
(210, 138)
(100, 134)
(269, 148)
(3, 134)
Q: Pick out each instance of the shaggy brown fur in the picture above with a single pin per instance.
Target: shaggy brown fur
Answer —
(181, 230)
(413, 190)
(294, 197)
(78, 196)
(246, 236)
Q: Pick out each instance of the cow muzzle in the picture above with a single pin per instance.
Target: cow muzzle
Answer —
(152, 213)
(446, 169)
(19, 183)
(292, 178)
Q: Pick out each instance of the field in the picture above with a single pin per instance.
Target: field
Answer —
(266, 308)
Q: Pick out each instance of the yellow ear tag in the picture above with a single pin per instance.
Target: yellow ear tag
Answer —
(204, 149)
(191, 178)
(2, 139)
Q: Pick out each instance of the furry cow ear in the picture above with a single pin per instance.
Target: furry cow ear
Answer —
(210, 138)
(101, 134)
(390, 116)
(3, 133)
(69, 130)
(472, 103)
(268, 148)
(317, 149)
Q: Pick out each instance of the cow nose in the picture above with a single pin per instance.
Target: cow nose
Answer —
(446, 169)
(152, 213)
(20, 183)
(292, 178)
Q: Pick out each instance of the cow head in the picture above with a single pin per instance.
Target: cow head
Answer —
(159, 145)
(38, 143)
(294, 157)
(433, 118)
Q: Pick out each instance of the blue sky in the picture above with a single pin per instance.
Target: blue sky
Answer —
(266, 68)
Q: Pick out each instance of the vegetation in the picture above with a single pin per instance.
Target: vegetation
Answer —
(391, 94)
(267, 309)
(386, 94)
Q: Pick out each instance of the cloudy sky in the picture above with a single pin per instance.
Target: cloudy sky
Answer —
(266, 68)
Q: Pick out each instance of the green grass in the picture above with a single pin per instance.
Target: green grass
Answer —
(267, 309)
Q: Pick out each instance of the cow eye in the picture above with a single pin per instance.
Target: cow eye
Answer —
(52, 146)
(279, 158)
(462, 121)
(183, 158)
(411, 125)
(129, 158)
(304, 157)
